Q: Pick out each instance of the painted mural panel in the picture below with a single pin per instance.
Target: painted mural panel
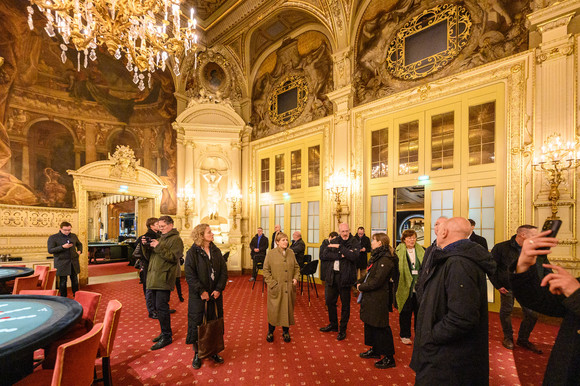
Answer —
(60, 111)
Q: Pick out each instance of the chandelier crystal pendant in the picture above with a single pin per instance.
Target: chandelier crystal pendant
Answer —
(146, 32)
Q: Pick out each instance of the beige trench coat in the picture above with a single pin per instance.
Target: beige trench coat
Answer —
(279, 270)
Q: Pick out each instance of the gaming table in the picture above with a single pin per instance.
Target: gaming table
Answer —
(11, 273)
(27, 323)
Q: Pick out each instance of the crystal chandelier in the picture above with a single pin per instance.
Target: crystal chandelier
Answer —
(146, 32)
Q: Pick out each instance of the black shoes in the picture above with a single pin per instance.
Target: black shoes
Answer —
(508, 343)
(286, 337)
(270, 338)
(329, 328)
(341, 335)
(153, 315)
(162, 343)
(385, 363)
(369, 355)
(181, 299)
(529, 346)
(157, 338)
(172, 311)
(196, 362)
(217, 359)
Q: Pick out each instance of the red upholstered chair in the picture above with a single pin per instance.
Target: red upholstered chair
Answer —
(90, 302)
(75, 362)
(49, 284)
(29, 283)
(39, 292)
(42, 272)
(110, 324)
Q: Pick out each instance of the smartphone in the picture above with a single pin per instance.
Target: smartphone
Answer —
(554, 226)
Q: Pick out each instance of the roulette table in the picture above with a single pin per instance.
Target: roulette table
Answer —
(27, 323)
(11, 273)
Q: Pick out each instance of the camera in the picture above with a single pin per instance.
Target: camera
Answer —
(147, 240)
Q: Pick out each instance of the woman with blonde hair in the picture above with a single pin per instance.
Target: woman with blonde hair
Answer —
(374, 302)
(206, 274)
(281, 272)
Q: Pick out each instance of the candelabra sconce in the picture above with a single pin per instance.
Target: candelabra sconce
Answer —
(186, 196)
(336, 187)
(556, 158)
(234, 197)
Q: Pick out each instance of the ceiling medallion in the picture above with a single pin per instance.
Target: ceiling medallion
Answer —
(287, 100)
(429, 41)
(145, 32)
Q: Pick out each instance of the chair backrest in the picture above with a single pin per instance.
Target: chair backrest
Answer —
(90, 302)
(110, 324)
(42, 272)
(307, 258)
(49, 284)
(39, 292)
(309, 268)
(75, 360)
(29, 283)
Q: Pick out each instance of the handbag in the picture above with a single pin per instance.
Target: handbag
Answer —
(210, 335)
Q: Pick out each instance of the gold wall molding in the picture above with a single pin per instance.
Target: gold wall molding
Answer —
(14, 216)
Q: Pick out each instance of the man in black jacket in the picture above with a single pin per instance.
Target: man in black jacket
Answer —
(563, 301)
(505, 255)
(426, 260)
(324, 264)
(298, 247)
(365, 248)
(142, 253)
(258, 248)
(66, 247)
(451, 343)
(475, 237)
(340, 276)
(277, 229)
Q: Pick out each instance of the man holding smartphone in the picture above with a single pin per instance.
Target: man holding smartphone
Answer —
(66, 248)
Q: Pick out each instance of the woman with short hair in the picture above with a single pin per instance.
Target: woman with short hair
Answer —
(281, 273)
(206, 274)
(374, 302)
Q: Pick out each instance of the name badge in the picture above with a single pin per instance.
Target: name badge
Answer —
(414, 272)
(336, 265)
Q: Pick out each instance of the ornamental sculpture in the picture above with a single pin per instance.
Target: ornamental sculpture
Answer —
(125, 163)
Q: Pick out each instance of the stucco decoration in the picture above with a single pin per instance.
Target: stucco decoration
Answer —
(125, 164)
(498, 29)
(308, 66)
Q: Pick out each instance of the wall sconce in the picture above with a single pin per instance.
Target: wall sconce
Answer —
(337, 186)
(234, 197)
(186, 196)
(556, 158)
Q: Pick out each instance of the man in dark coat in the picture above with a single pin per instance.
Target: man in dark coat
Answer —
(142, 253)
(451, 342)
(426, 261)
(66, 247)
(258, 248)
(563, 301)
(298, 247)
(324, 264)
(277, 229)
(167, 250)
(475, 237)
(506, 255)
(340, 276)
(365, 248)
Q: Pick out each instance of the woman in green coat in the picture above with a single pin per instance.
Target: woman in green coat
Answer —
(410, 259)
(281, 273)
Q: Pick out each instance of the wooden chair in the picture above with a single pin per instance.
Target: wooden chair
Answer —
(39, 292)
(75, 363)
(49, 284)
(29, 283)
(42, 272)
(110, 325)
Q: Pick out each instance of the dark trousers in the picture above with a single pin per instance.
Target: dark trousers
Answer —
(149, 302)
(380, 339)
(74, 281)
(272, 328)
(332, 292)
(178, 287)
(505, 317)
(256, 260)
(161, 301)
(411, 307)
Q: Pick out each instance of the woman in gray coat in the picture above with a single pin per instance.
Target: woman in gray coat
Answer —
(281, 272)
(374, 299)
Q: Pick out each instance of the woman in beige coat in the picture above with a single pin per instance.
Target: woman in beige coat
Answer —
(281, 272)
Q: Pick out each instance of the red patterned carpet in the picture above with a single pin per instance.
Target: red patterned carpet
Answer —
(110, 269)
(311, 358)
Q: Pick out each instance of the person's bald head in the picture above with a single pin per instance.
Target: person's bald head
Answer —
(438, 222)
(344, 230)
(452, 230)
(296, 235)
